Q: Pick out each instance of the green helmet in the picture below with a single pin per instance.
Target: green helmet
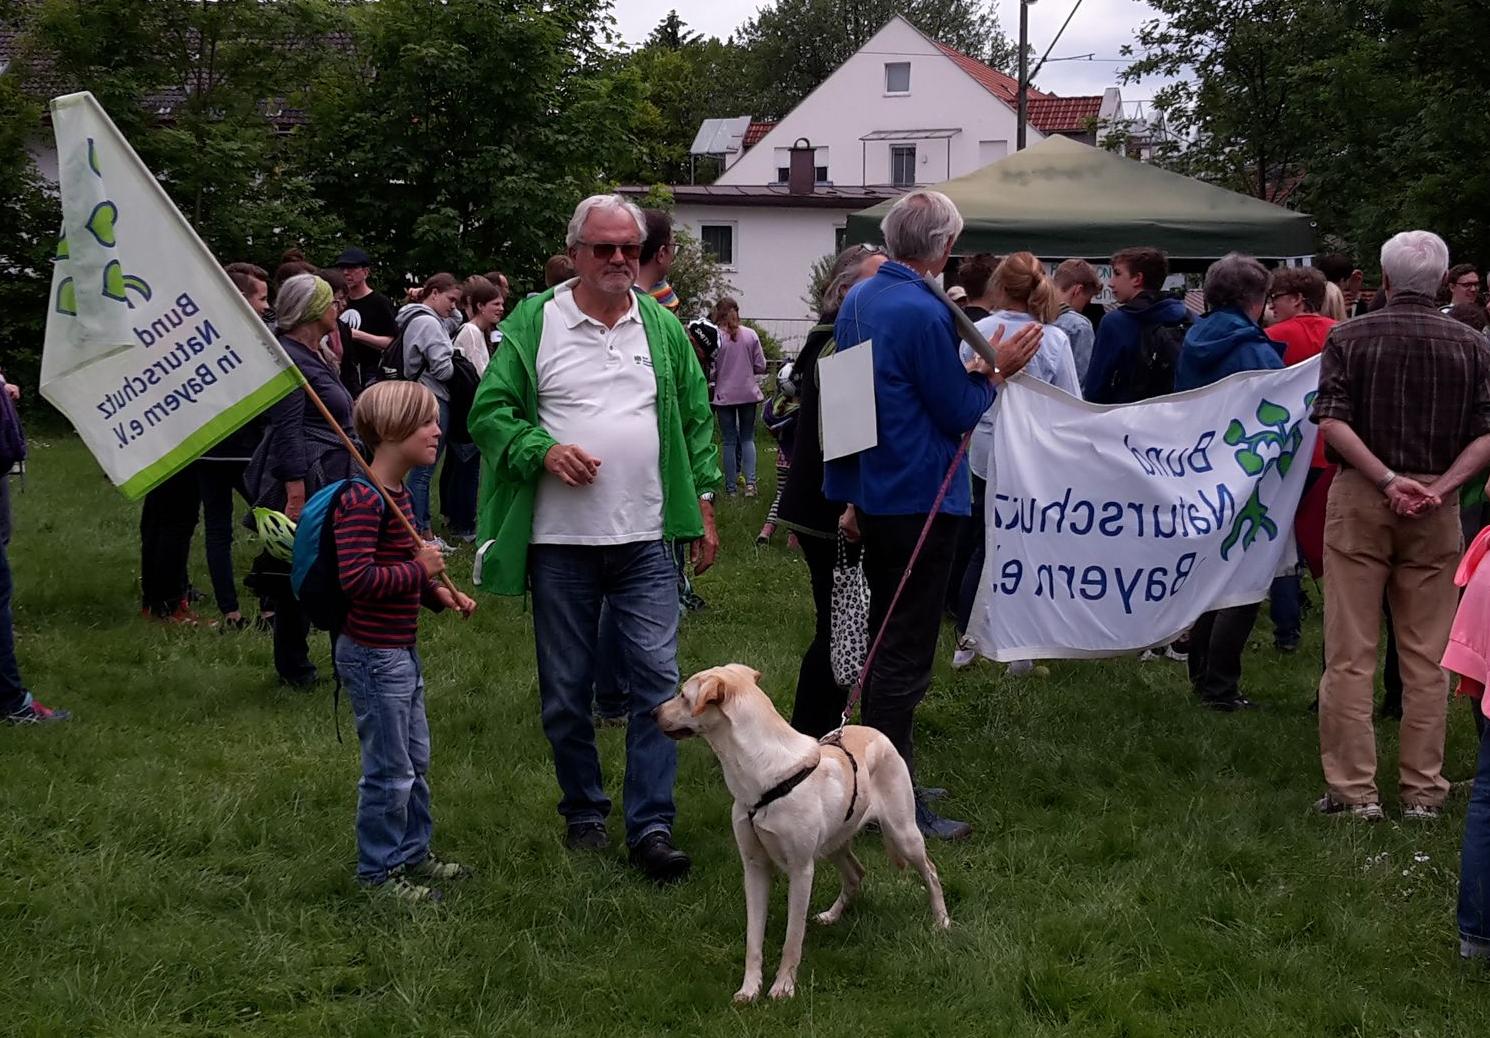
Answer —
(277, 532)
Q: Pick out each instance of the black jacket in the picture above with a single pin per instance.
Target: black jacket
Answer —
(803, 507)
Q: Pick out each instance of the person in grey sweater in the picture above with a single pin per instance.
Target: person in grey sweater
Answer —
(427, 360)
(1077, 282)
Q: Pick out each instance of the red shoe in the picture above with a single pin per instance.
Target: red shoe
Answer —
(35, 712)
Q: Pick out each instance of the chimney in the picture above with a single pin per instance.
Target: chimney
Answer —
(803, 173)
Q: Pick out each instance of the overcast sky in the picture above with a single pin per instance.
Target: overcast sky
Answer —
(1100, 28)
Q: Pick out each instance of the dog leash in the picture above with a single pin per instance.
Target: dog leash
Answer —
(936, 506)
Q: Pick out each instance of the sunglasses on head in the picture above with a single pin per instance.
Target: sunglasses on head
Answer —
(604, 250)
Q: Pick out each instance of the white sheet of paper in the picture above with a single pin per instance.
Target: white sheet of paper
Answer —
(846, 394)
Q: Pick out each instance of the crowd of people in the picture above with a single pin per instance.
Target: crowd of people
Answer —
(581, 432)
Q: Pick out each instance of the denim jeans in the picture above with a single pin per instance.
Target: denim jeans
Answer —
(217, 481)
(737, 429)
(1286, 608)
(421, 476)
(638, 584)
(386, 687)
(458, 484)
(1474, 861)
(13, 694)
(610, 694)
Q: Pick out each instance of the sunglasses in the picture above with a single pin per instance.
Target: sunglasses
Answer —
(604, 250)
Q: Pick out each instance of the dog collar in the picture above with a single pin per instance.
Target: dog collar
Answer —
(782, 788)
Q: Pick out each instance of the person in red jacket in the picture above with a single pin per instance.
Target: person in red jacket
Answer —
(1296, 297)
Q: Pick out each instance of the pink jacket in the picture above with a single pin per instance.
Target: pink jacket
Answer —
(1468, 653)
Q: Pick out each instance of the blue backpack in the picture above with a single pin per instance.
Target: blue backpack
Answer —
(315, 575)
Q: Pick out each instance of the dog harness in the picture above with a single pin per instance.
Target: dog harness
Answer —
(794, 780)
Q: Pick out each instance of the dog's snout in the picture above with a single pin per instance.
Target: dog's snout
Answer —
(657, 712)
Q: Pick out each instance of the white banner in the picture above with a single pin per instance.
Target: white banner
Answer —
(1113, 528)
(150, 351)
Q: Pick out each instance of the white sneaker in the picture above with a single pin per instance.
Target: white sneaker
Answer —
(966, 654)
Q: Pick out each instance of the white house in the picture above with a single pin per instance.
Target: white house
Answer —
(904, 110)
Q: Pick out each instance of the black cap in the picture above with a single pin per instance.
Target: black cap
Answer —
(353, 257)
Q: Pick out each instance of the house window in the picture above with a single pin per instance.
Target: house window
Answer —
(719, 241)
(840, 239)
(897, 77)
(903, 165)
(783, 174)
(820, 174)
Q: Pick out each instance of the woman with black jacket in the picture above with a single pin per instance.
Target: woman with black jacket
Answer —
(804, 509)
(300, 453)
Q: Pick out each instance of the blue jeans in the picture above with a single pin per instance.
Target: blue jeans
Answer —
(421, 476)
(639, 586)
(13, 694)
(459, 480)
(1286, 607)
(386, 687)
(737, 428)
(1474, 861)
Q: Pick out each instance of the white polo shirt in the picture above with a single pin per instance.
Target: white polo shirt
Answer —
(596, 389)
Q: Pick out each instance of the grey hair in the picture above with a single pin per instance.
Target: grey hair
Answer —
(920, 226)
(842, 276)
(1236, 280)
(603, 203)
(1415, 261)
(293, 301)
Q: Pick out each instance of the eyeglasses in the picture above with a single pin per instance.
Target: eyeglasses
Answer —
(1468, 284)
(1280, 295)
(604, 250)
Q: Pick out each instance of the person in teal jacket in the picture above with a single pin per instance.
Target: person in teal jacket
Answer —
(597, 445)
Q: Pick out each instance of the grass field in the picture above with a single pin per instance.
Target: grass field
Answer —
(178, 861)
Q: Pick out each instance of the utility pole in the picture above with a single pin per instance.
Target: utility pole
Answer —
(1024, 72)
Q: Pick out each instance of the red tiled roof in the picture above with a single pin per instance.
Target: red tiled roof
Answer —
(1064, 114)
(758, 129)
(1006, 88)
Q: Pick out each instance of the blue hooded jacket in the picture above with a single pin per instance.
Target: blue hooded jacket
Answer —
(1222, 343)
(1118, 336)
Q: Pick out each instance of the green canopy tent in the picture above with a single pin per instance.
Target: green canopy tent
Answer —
(1060, 198)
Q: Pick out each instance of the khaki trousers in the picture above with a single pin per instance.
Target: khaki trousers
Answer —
(1368, 550)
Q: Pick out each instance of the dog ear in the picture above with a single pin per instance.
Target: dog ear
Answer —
(710, 690)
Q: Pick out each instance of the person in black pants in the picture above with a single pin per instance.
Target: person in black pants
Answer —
(804, 510)
(915, 476)
(219, 475)
(1217, 642)
(299, 454)
(167, 522)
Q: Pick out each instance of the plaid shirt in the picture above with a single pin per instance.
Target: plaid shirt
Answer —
(1413, 384)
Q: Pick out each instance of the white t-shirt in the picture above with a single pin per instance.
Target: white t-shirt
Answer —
(596, 389)
(471, 343)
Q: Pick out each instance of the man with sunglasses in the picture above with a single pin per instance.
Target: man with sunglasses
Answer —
(598, 446)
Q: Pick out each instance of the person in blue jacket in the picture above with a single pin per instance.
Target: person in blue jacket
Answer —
(926, 400)
(1227, 340)
(1116, 373)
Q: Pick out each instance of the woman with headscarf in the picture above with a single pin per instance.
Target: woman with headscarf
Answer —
(299, 454)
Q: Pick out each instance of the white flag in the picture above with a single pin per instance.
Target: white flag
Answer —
(150, 351)
(1113, 528)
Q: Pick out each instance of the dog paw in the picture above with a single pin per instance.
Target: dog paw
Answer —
(827, 918)
(944, 923)
(747, 994)
(785, 987)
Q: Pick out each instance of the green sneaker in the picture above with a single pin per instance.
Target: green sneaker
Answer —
(400, 888)
(436, 868)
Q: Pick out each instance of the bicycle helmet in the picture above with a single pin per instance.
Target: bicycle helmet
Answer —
(277, 533)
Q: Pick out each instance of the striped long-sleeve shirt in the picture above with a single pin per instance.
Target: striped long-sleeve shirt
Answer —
(384, 584)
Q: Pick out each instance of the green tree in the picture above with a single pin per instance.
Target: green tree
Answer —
(29, 218)
(793, 45)
(459, 137)
(1248, 104)
(196, 87)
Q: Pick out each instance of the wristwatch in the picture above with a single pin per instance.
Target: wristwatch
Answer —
(707, 496)
(1386, 481)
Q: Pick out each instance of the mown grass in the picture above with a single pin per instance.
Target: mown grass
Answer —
(178, 861)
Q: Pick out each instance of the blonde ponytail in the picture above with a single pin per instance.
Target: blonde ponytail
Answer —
(1021, 280)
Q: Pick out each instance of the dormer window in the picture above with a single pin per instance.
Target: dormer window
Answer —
(897, 77)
